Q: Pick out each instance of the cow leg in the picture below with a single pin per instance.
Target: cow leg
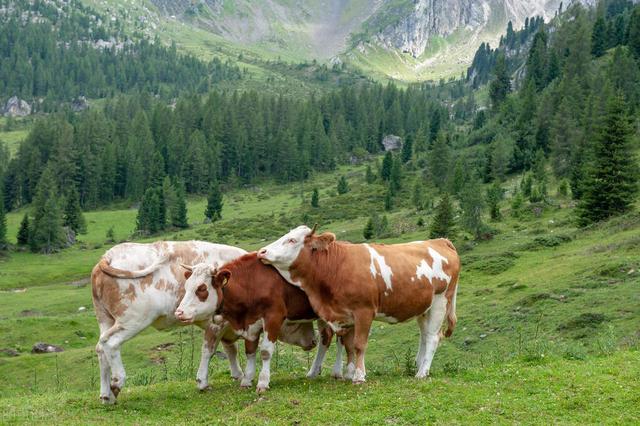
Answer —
(267, 347)
(430, 325)
(336, 372)
(326, 334)
(362, 325)
(212, 335)
(250, 348)
(231, 349)
(111, 342)
(348, 341)
(106, 396)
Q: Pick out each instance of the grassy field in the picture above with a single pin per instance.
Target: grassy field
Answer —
(548, 325)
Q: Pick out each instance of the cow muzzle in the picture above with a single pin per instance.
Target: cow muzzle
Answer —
(262, 255)
(180, 316)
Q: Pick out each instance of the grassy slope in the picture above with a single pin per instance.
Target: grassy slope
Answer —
(541, 309)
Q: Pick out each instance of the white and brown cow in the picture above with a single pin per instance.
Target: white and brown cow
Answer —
(255, 300)
(350, 285)
(138, 285)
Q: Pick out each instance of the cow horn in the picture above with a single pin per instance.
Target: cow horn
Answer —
(187, 267)
(313, 230)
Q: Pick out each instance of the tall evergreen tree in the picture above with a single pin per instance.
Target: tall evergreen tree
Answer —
(73, 217)
(213, 212)
(152, 212)
(367, 233)
(3, 223)
(178, 211)
(407, 149)
(472, 204)
(495, 194)
(369, 177)
(315, 198)
(633, 33)
(612, 178)
(387, 165)
(500, 86)
(439, 161)
(442, 224)
(23, 236)
(599, 37)
(343, 185)
(395, 178)
(47, 234)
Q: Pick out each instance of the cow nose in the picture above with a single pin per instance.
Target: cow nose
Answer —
(262, 253)
(178, 313)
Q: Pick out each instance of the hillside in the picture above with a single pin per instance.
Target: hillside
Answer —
(540, 300)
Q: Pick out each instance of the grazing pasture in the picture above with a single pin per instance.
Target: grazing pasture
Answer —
(548, 326)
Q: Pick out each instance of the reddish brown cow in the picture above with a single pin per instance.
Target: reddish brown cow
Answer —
(254, 298)
(350, 285)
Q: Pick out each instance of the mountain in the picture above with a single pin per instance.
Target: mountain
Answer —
(404, 39)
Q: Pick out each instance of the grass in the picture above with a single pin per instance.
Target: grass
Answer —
(548, 325)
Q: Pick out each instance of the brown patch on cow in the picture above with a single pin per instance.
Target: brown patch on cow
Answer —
(187, 274)
(146, 281)
(322, 241)
(202, 292)
(162, 284)
(130, 293)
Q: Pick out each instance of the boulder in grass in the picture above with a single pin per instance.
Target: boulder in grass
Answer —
(45, 348)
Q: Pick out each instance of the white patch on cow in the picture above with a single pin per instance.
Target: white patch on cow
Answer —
(266, 351)
(287, 276)
(413, 279)
(435, 270)
(385, 270)
(358, 376)
(252, 332)
(386, 318)
(351, 369)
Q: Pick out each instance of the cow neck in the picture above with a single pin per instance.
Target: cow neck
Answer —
(221, 292)
(316, 263)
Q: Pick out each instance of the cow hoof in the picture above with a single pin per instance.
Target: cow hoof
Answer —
(245, 385)
(204, 389)
(108, 400)
(116, 390)
(422, 376)
(313, 374)
(261, 389)
(337, 376)
(358, 382)
(237, 377)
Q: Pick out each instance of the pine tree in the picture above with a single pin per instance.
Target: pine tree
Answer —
(633, 33)
(407, 149)
(472, 204)
(73, 217)
(500, 87)
(178, 211)
(152, 212)
(24, 231)
(388, 199)
(418, 195)
(599, 37)
(495, 194)
(395, 179)
(367, 233)
(439, 160)
(612, 177)
(369, 177)
(442, 224)
(47, 234)
(315, 198)
(213, 211)
(383, 228)
(343, 185)
(387, 165)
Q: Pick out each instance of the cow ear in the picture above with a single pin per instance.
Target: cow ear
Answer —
(221, 278)
(322, 241)
(187, 274)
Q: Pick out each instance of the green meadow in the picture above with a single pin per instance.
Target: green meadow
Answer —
(548, 324)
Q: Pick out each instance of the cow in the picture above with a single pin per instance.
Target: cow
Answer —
(350, 285)
(253, 298)
(139, 285)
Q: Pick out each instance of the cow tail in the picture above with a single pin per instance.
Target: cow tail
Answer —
(451, 310)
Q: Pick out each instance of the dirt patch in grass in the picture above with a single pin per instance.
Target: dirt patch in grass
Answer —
(495, 264)
(585, 320)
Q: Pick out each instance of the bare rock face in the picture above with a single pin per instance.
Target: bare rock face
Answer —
(392, 142)
(45, 348)
(79, 104)
(16, 107)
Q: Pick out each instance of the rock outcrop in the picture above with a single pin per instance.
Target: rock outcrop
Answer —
(16, 107)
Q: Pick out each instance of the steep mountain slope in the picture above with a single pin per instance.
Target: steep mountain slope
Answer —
(404, 39)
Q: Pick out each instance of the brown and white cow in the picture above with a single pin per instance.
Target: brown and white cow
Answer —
(350, 285)
(138, 285)
(254, 299)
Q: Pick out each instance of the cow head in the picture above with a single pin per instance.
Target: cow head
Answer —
(201, 297)
(283, 252)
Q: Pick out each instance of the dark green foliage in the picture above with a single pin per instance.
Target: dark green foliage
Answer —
(517, 203)
(495, 193)
(472, 204)
(387, 165)
(599, 37)
(110, 235)
(500, 87)
(418, 195)
(395, 179)
(46, 232)
(73, 217)
(152, 212)
(178, 209)
(343, 185)
(369, 177)
(634, 33)
(407, 149)
(213, 212)
(442, 224)
(367, 233)
(388, 199)
(537, 66)
(612, 177)
(315, 198)
(23, 236)
(439, 161)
